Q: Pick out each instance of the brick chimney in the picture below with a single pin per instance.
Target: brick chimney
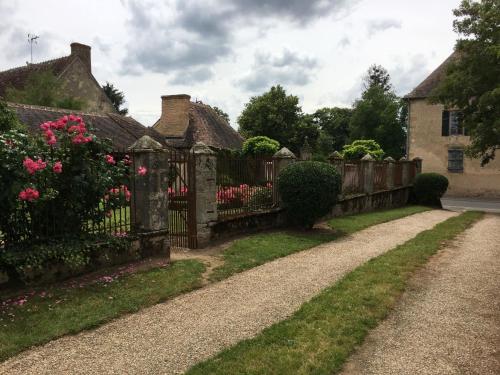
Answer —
(83, 52)
(174, 118)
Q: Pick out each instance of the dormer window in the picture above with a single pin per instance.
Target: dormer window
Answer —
(452, 124)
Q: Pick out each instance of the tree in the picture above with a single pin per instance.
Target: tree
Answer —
(221, 113)
(357, 149)
(42, 88)
(334, 123)
(378, 76)
(116, 97)
(377, 115)
(260, 146)
(8, 119)
(472, 81)
(273, 114)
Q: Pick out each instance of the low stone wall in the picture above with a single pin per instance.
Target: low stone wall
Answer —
(276, 218)
(369, 202)
(152, 244)
(243, 224)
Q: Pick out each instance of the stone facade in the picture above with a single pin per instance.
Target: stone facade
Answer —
(426, 142)
(78, 82)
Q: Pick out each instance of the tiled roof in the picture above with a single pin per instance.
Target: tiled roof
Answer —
(121, 130)
(424, 89)
(17, 77)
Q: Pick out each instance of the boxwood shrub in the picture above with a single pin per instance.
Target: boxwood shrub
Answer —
(309, 191)
(429, 188)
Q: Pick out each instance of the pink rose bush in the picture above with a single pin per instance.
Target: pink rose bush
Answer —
(229, 197)
(58, 179)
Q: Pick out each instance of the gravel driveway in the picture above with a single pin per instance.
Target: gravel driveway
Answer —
(170, 337)
(448, 321)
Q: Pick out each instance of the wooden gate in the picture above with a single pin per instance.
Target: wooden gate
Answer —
(182, 199)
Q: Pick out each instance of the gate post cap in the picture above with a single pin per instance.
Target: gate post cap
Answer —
(367, 157)
(201, 148)
(390, 159)
(146, 143)
(403, 159)
(284, 153)
(417, 158)
(335, 155)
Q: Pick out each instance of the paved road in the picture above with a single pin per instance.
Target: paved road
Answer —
(448, 321)
(170, 337)
(471, 204)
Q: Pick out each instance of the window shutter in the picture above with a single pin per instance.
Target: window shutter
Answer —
(445, 124)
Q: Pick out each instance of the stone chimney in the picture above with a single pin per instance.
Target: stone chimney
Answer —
(83, 52)
(174, 118)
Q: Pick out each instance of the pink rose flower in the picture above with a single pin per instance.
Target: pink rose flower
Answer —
(142, 171)
(29, 194)
(110, 159)
(57, 168)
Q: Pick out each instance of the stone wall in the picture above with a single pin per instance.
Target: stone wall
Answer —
(426, 142)
(79, 83)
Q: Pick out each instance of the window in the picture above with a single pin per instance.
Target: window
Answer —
(456, 160)
(452, 124)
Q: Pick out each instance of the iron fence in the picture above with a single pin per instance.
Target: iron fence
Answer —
(245, 185)
(353, 178)
(380, 175)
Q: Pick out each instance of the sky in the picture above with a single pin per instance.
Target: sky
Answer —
(223, 52)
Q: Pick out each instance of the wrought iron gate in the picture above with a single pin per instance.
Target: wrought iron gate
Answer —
(182, 199)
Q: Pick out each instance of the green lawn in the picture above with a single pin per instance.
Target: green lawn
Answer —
(71, 310)
(319, 337)
(258, 249)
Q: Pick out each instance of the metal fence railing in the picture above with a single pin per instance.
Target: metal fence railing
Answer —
(353, 178)
(245, 185)
(380, 175)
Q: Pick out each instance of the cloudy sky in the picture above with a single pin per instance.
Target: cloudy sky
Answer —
(225, 51)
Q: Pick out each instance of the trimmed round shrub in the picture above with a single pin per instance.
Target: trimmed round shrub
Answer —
(357, 149)
(260, 146)
(309, 191)
(429, 188)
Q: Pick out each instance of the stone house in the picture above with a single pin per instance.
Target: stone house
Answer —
(183, 123)
(75, 74)
(436, 135)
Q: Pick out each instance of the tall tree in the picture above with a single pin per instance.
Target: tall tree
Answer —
(376, 115)
(334, 123)
(116, 97)
(273, 114)
(42, 88)
(472, 81)
(378, 76)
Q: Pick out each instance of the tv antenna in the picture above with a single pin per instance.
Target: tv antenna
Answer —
(32, 39)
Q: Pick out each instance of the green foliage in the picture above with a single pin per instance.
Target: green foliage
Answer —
(262, 197)
(429, 188)
(273, 114)
(42, 88)
(116, 97)
(309, 191)
(67, 199)
(8, 119)
(75, 253)
(334, 124)
(221, 113)
(357, 149)
(377, 115)
(260, 146)
(472, 81)
(378, 76)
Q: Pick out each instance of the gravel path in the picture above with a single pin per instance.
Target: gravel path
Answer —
(448, 321)
(170, 337)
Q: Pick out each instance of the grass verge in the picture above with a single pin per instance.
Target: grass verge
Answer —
(321, 335)
(55, 312)
(258, 249)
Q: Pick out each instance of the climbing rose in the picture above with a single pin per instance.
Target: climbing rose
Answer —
(29, 194)
(32, 166)
(110, 159)
(57, 168)
(142, 171)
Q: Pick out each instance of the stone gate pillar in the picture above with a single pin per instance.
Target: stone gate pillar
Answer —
(368, 165)
(405, 171)
(149, 201)
(337, 160)
(205, 175)
(390, 172)
(282, 159)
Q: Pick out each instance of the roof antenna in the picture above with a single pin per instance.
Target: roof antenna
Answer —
(32, 39)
